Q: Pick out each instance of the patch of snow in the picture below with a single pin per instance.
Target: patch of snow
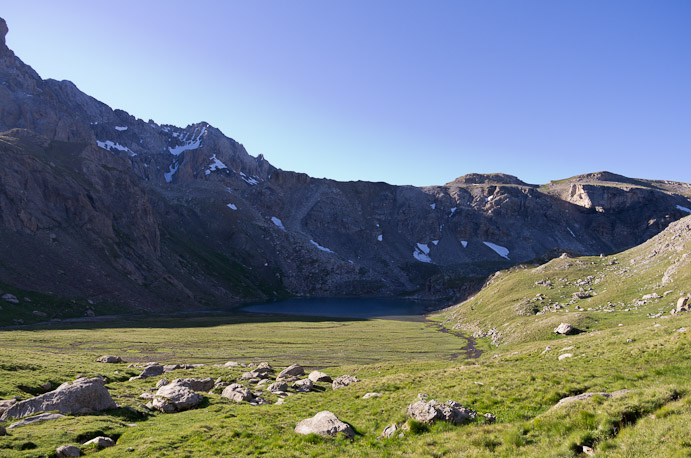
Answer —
(433, 206)
(249, 180)
(110, 146)
(500, 250)
(453, 210)
(194, 143)
(435, 242)
(173, 168)
(232, 207)
(278, 223)
(120, 128)
(320, 247)
(377, 224)
(421, 253)
(216, 164)
(574, 235)
(464, 243)
(684, 209)
(350, 261)
(380, 237)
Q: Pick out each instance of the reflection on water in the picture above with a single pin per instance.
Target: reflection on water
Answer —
(346, 308)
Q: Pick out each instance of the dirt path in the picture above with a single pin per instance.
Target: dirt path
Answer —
(470, 351)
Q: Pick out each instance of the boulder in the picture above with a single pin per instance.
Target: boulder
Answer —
(565, 355)
(10, 298)
(683, 305)
(237, 393)
(84, 395)
(109, 359)
(68, 451)
(294, 370)
(152, 370)
(371, 395)
(101, 442)
(324, 423)
(431, 411)
(176, 397)
(35, 419)
(162, 382)
(303, 386)
(389, 431)
(232, 364)
(4, 405)
(584, 396)
(278, 387)
(317, 376)
(563, 329)
(195, 384)
(344, 380)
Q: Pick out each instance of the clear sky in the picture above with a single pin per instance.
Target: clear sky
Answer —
(408, 92)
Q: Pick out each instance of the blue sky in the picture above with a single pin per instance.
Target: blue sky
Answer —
(398, 91)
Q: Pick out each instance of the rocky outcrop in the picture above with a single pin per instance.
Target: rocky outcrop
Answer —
(324, 423)
(84, 395)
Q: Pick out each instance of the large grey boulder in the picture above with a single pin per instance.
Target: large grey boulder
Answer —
(153, 370)
(564, 329)
(344, 380)
(324, 423)
(237, 393)
(84, 395)
(68, 451)
(317, 376)
(175, 397)
(109, 359)
(294, 370)
(431, 411)
(101, 442)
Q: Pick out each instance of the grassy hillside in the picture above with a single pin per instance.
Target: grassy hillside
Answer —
(625, 346)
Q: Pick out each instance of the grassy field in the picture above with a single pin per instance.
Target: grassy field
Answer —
(625, 344)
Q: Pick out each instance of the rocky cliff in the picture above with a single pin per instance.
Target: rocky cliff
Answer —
(97, 204)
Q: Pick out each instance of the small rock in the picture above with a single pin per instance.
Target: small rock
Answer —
(563, 329)
(109, 359)
(152, 370)
(547, 348)
(324, 423)
(101, 442)
(162, 382)
(303, 386)
(39, 314)
(317, 376)
(489, 418)
(68, 451)
(565, 355)
(237, 393)
(232, 364)
(36, 418)
(147, 396)
(588, 450)
(344, 380)
(295, 370)
(371, 395)
(10, 298)
(280, 401)
(389, 431)
(278, 387)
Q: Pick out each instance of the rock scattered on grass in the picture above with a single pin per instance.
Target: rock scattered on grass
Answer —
(295, 370)
(565, 355)
(564, 329)
(109, 359)
(389, 431)
(101, 442)
(343, 381)
(371, 395)
(68, 451)
(584, 396)
(303, 386)
(317, 376)
(237, 393)
(324, 423)
(431, 411)
(35, 419)
(84, 395)
(176, 397)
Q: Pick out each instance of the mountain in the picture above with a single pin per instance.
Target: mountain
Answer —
(115, 213)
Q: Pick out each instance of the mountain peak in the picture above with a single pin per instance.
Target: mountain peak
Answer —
(486, 178)
(3, 33)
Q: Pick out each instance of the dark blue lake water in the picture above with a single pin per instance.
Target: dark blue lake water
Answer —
(401, 309)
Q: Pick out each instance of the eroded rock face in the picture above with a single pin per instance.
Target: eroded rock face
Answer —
(324, 423)
(176, 397)
(84, 395)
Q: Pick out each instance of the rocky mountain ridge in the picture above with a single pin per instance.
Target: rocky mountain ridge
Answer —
(97, 204)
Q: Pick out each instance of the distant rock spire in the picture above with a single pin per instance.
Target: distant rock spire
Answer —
(4, 50)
